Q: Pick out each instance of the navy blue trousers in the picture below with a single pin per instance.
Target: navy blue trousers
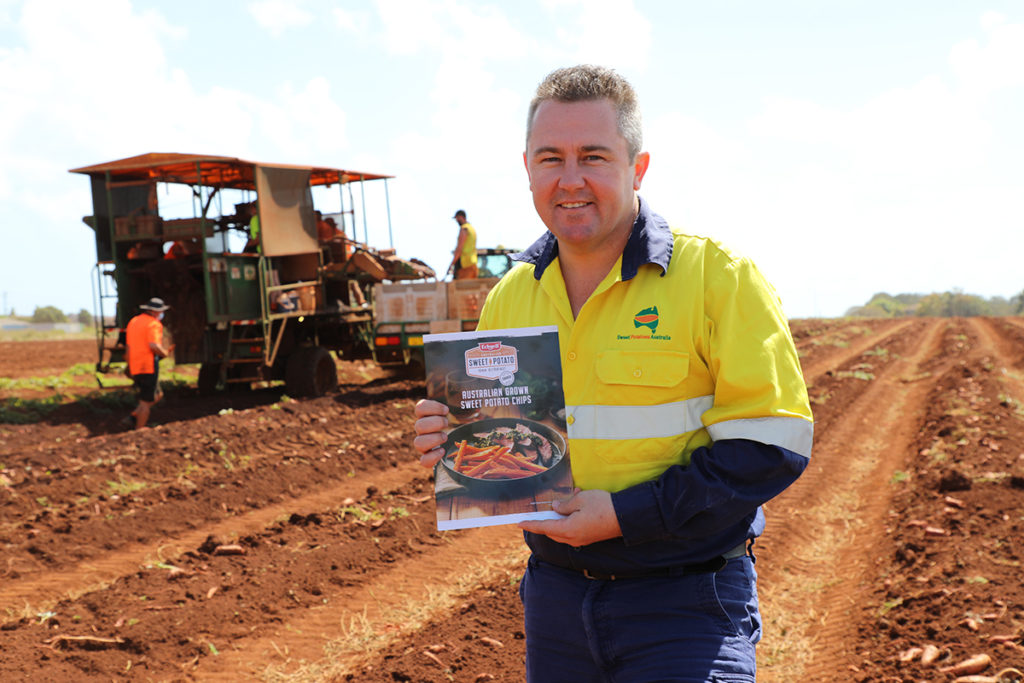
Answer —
(691, 628)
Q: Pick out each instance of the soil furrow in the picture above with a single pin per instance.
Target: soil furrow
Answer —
(951, 568)
(830, 516)
(366, 618)
(819, 364)
(37, 593)
(152, 484)
(900, 534)
(190, 606)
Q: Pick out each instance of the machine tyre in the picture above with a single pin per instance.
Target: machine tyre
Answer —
(310, 371)
(209, 375)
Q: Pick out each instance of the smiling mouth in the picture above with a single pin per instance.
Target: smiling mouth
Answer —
(573, 205)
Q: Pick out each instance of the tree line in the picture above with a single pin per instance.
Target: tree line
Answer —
(942, 305)
(52, 314)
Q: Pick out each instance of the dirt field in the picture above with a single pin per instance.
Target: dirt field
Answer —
(251, 537)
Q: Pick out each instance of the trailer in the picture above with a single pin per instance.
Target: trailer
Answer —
(405, 311)
(258, 291)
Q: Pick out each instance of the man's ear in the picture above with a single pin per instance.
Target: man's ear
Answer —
(527, 165)
(643, 160)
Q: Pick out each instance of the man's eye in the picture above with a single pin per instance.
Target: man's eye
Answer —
(593, 157)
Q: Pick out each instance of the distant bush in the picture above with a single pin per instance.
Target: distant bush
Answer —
(940, 304)
(84, 317)
(48, 314)
(1017, 303)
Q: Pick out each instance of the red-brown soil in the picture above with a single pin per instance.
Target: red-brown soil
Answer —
(252, 537)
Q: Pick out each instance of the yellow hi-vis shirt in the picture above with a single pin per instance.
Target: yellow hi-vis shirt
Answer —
(468, 256)
(665, 362)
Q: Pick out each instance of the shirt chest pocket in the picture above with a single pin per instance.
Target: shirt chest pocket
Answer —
(621, 371)
(635, 410)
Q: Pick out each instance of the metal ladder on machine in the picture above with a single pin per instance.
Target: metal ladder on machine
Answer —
(249, 340)
(244, 353)
(104, 290)
(270, 340)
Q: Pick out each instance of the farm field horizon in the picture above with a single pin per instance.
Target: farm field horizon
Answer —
(249, 536)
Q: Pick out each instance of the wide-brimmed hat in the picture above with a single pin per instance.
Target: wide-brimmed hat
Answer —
(154, 304)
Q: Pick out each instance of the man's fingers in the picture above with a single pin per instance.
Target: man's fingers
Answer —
(564, 507)
(432, 424)
(555, 529)
(548, 527)
(431, 457)
(426, 407)
(429, 429)
(429, 442)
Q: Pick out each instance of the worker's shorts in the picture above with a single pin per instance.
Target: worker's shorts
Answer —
(696, 627)
(147, 386)
(467, 273)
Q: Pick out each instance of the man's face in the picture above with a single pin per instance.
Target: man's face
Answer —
(583, 181)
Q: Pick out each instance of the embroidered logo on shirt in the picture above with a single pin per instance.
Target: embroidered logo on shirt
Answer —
(647, 318)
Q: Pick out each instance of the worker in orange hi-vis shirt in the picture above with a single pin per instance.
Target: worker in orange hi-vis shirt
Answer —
(144, 339)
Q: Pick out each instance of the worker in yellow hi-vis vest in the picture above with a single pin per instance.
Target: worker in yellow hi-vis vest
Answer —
(464, 257)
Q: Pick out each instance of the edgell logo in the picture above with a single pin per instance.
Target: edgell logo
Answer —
(492, 360)
(648, 318)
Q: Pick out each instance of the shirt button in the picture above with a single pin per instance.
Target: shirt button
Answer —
(571, 355)
(570, 419)
(638, 372)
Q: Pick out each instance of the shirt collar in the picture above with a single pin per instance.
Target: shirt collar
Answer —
(650, 241)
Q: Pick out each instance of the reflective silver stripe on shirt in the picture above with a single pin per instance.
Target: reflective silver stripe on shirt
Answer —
(683, 417)
(637, 422)
(793, 433)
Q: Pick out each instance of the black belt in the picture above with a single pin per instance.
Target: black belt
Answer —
(715, 564)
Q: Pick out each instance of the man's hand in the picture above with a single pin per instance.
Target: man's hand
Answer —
(591, 518)
(431, 419)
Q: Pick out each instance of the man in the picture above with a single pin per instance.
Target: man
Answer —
(685, 405)
(326, 228)
(144, 339)
(252, 245)
(464, 257)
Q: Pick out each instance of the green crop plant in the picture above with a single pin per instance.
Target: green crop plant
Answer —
(28, 410)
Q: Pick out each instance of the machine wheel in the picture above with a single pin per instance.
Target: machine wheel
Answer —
(209, 375)
(310, 371)
(414, 368)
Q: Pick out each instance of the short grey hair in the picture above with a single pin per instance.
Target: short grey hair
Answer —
(587, 82)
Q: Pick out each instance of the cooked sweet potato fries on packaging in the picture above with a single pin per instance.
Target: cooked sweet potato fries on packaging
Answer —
(492, 462)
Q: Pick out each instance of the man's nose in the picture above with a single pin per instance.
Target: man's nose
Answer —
(571, 177)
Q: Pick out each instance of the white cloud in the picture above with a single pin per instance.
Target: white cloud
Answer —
(412, 25)
(473, 31)
(998, 64)
(607, 32)
(820, 196)
(277, 16)
(351, 21)
(307, 122)
(144, 104)
(916, 133)
(93, 82)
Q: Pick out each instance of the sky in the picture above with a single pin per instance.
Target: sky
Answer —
(848, 147)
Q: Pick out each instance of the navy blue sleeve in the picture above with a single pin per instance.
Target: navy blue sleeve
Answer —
(721, 486)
